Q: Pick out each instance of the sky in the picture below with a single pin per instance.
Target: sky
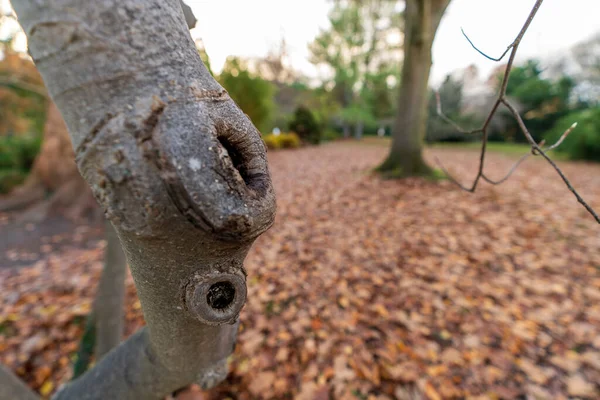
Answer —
(253, 27)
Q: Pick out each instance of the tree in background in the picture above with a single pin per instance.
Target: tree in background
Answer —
(305, 126)
(541, 101)
(421, 20)
(450, 95)
(253, 94)
(361, 38)
(586, 56)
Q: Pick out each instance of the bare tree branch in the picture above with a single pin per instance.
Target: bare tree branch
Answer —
(536, 149)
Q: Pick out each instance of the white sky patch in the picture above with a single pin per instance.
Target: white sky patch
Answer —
(252, 28)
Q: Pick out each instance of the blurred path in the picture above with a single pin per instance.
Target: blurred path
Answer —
(24, 244)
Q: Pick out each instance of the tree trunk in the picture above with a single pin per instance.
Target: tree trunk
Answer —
(11, 387)
(104, 325)
(54, 184)
(177, 167)
(346, 130)
(108, 304)
(422, 18)
(358, 130)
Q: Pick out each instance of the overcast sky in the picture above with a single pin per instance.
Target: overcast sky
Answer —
(252, 27)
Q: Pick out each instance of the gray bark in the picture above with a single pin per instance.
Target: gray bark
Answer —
(179, 169)
(422, 18)
(346, 130)
(358, 130)
(13, 388)
(108, 304)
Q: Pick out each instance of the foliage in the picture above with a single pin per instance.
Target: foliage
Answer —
(330, 135)
(321, 103)
(362, 40)
(438, 130)
(378, 93)
(282, 141)
(17, 154)
(253, 94)
(22, 99)
(305, 126)
(587, 57)
(542, 101)
(22, 115)
(583, 143)
(289, 140)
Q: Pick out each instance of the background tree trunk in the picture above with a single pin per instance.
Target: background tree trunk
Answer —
(104, 325)
(422, 18)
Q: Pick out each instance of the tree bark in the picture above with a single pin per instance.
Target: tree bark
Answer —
(11, 387)
(422, 18)
(179, 170)
(345, 130)
(358, 130)
(54, 184)
(108, 304)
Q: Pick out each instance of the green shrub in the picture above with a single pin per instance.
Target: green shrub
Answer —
(305, 126)
(282, 141)
(583, 143)
(18, 152)
(289, 140)
(272, 141)
(330, 135)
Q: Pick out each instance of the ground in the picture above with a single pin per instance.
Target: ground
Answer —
(371, 289)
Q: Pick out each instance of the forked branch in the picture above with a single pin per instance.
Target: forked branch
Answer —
(536, 149)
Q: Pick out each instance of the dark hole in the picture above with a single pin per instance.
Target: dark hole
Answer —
(220, 295)
(253, 181)
(236, 158)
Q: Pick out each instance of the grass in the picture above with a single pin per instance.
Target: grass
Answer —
(514, 149)
(506, 148)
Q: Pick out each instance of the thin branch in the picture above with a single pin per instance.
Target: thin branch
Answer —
(517, 40)
(481, 52)
(535, 146)
(536, 149)
(448, 120)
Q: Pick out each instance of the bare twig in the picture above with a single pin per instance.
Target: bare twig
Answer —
(536, 148)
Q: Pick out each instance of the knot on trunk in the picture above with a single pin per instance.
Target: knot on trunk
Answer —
(180, 157)
(215, 298)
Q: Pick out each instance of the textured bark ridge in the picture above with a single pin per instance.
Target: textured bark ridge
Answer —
(179, 169)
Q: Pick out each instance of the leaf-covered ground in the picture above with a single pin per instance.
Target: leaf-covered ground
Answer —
(373, 289)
